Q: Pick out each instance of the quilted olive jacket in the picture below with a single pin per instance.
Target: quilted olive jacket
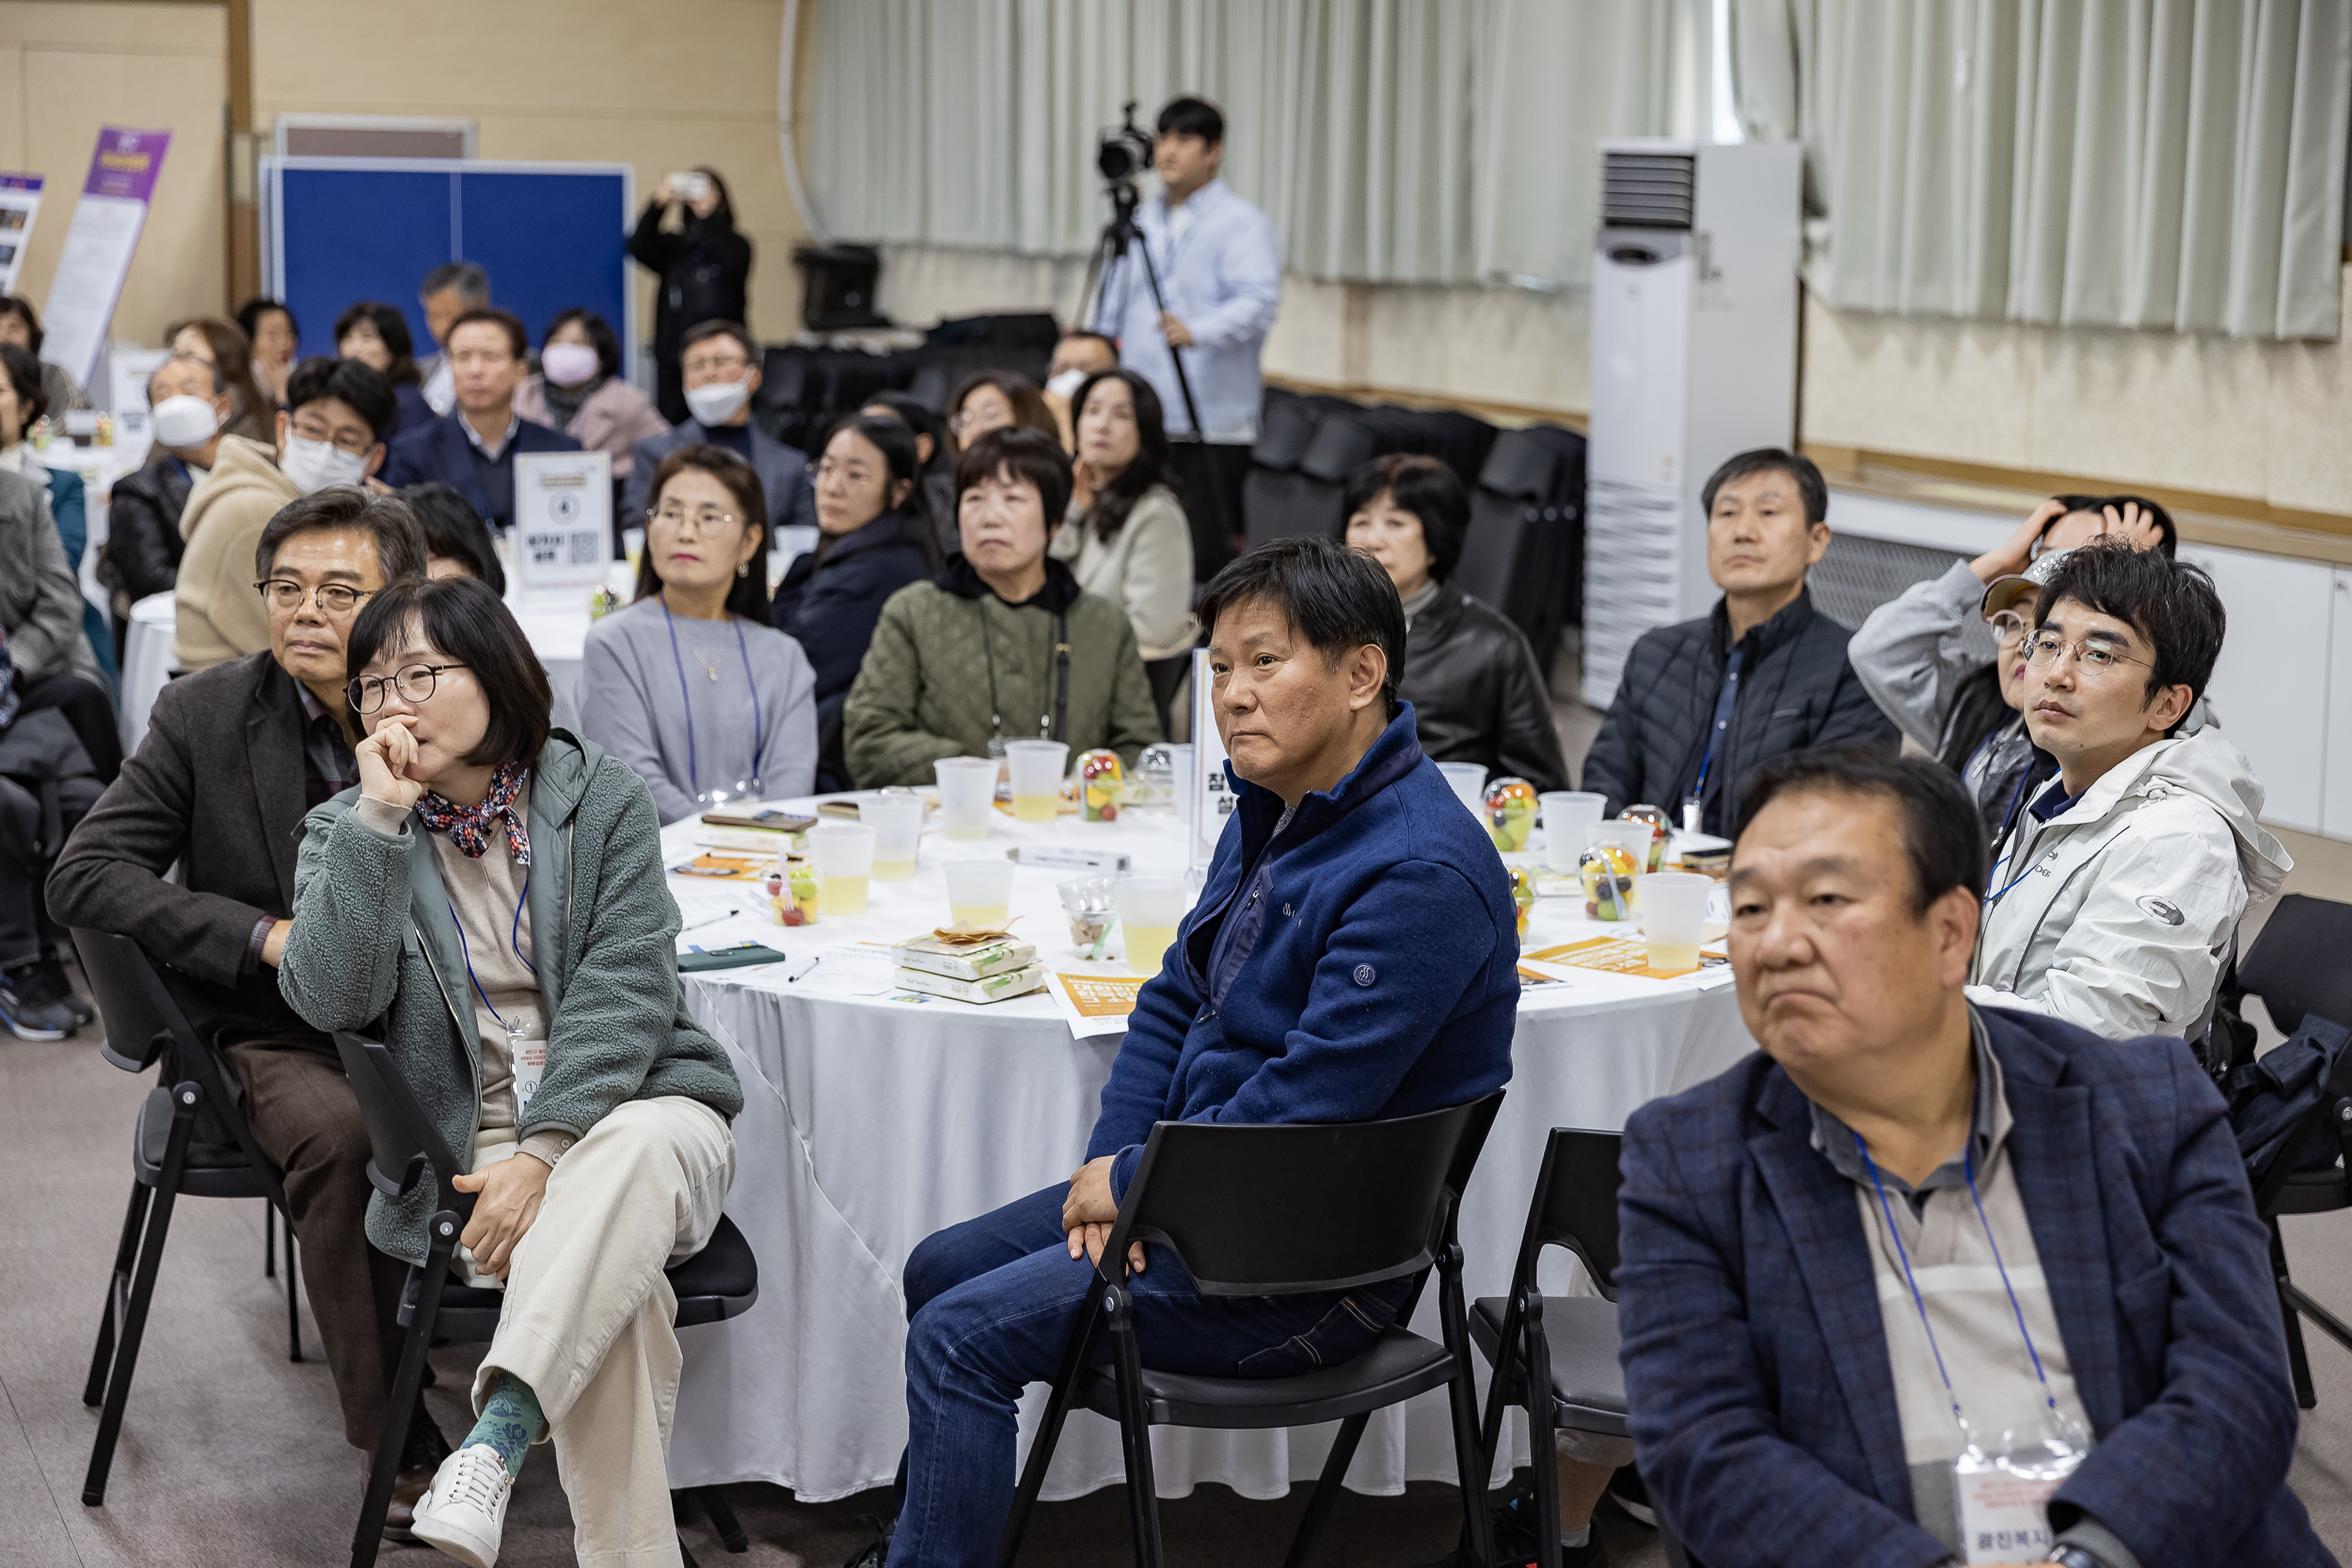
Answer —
(949, 659)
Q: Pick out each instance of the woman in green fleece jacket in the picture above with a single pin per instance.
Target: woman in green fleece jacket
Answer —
(493, 892)
(1003, 644)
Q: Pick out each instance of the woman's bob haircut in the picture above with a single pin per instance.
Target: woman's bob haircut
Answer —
(463, 622)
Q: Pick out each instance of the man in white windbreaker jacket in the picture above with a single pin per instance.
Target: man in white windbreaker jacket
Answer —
(2117, 885)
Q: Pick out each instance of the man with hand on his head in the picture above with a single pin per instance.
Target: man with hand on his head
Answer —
(1912, 1227)
(1353, 956)
(233, 757)
(2116, 886)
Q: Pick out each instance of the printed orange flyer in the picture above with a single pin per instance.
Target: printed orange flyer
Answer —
(1094, 1003)
(1609, 954)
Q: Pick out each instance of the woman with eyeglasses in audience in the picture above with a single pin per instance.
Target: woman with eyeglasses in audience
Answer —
(1469, 673)
(491, 896)
(1003, 644)
(1914, 655)
(581, 391)
(690, 684)
(873, 539)
(223, 346)
(376, 334)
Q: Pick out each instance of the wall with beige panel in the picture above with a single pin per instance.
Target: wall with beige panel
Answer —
(68, 68)
(660, 85)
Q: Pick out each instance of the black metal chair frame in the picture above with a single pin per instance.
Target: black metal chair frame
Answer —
(404, 1137)
(1565, 1213)
(1393, 1212)
(141, 1019)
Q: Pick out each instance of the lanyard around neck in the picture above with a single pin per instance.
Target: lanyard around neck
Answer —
(685, 701)
(514, 936)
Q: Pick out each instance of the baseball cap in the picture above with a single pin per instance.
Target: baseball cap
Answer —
(2004, 593)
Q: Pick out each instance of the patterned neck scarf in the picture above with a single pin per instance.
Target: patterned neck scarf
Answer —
(468, 827)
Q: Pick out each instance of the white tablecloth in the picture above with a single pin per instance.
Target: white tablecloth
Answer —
(146, 664)
(871, 1122)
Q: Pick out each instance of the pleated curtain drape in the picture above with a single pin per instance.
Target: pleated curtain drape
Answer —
(1412, 141)
(2172, 163)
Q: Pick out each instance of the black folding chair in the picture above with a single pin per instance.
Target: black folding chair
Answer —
(720, 1282)
(168, 1159)
(2298, 966)
(1255, 1210)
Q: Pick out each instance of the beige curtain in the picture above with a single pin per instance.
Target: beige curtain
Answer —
(2084, 162)
(1420, 141)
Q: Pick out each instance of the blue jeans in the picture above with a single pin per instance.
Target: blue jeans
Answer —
(990, 1307)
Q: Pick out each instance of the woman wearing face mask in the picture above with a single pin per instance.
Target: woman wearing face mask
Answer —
(187, 409)
(1002, 644)
(690, 685)
(332, 434)
(491, 896)
(20, 404)
(1915, 657)
(224, 346)
(704, 267)
(579, 390)
(872, 540)
(376, 334)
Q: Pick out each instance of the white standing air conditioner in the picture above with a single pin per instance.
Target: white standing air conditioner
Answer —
(1694, 357)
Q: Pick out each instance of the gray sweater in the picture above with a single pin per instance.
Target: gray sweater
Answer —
(654, 704)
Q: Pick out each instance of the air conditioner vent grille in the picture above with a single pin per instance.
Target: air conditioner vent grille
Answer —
(1649, 190)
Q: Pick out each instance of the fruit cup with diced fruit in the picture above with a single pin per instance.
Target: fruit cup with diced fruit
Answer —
(803, 911)
(1522, 895)
(1510, 812)
(1658, 835)
(1607, 871)
(1101, 779)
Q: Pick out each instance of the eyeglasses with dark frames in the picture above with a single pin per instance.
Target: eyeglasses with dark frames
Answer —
(416, 684)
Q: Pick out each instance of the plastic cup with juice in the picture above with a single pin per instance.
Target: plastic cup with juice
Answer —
(898, 823)
(843, 854)
(1674, 916)
(1037, 774)
(1149, 908)
(979, 893)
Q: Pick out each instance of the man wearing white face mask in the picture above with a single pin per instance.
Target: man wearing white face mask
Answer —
(332, 433)
(143, 542)
(719, 364)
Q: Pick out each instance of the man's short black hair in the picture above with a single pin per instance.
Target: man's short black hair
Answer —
(1942, 836)
(1809, 482)
(464, 620)
(471, 283)
(1076, 333)
(1192, 117)
(1335, 597)
(399, 543)
(2171, 603)
(249, 315)
(453, 530)
(1026, 454)
(517, 341)
(361, 387)
(704, 331)
(1423, 486)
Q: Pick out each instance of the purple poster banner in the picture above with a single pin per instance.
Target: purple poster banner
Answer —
(126, 162)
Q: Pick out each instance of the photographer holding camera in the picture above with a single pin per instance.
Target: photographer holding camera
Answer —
(1217, 268)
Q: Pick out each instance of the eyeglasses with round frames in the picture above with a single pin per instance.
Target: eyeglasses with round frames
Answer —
(415, 684)
(849, 473)
(335, 599)
(2007, 626)
(705, 519)
(2096, 659)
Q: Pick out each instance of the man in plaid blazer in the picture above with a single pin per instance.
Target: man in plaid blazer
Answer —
(1907, 1206)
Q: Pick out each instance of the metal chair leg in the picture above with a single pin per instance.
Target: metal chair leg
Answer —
(118, 1283)
(1463, 1400)
(1073, 1359)
(1541, 1451)
(399, 1407)
(184, 1100)
(722, 1517)
(269, 1239)
(1135, 1430)
(294, 1309)
(1326, 1489)
(2299, 1359)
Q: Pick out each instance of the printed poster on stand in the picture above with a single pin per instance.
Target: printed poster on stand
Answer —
(99, 245)
(19, 203)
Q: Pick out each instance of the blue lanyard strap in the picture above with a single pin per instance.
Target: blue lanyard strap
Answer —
(685, 702)
(514, 936)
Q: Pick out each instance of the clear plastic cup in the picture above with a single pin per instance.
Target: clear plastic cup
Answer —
(979, 893)
(967, 793)
(842, 855)
(1634, 839)
(898, 823)
(1567, 815)
(1037, 767)
(1149, 908)
(1674, 916)
(1092, 904)
(1468, 780)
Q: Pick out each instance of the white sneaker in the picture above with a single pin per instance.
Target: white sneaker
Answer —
(464, 1511)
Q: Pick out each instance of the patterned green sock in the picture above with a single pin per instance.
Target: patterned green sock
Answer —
(509, 1421)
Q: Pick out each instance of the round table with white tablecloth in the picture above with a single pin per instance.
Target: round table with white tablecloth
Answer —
(873, 1118)
(146, 664)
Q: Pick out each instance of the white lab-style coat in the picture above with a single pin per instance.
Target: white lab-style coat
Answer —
(2118, 913)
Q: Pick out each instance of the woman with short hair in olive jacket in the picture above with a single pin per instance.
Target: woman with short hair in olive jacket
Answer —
(1003, 644)
(1469, 673)
(493, 892)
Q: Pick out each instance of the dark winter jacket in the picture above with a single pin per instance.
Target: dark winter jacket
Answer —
(143, 542)
(1796, 690)
(829, 607)
(1473, 681)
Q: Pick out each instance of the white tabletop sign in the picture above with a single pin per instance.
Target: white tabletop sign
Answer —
(1212, 797)
(562, 518)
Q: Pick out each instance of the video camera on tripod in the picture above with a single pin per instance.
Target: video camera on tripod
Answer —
(1121, 154)
(1124, 151)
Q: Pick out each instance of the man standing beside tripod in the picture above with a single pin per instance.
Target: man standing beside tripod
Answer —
(1218, 268)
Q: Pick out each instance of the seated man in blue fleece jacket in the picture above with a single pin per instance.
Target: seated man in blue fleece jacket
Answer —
(1353, 956)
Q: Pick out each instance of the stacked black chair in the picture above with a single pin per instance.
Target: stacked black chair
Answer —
(2296, 966)
(1507, 525)
(1272, 491)
(720, 1282)
(1361, 1203)
(1342, 442)
(176, 1150)
(1570, 1341)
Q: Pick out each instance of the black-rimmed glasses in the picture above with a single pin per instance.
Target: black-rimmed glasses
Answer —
(415, 684)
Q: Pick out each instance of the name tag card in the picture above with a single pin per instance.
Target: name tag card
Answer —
(563, 519)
